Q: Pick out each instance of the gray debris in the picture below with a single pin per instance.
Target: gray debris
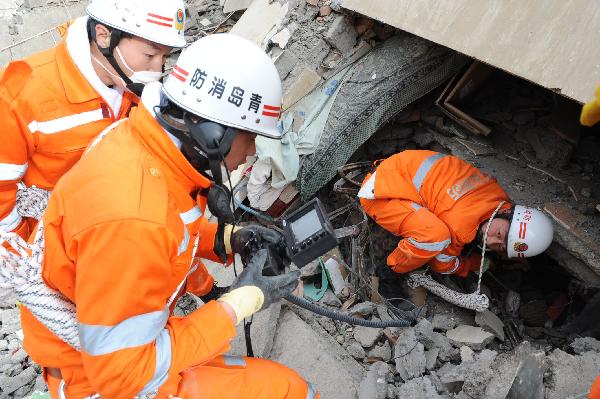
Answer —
(367, 336)
(356, 350)
(305, 349)
(550, 149)
(474, 337)
(11, 384)
(363, 309)
(466, 354)
(431, 357)
(10, 321)
(443, 322)
(330, 299)
(409, 355)
(571, 375)
(490, 323)
(586, 344)
(447, 351)
(341, 34)
(264, 326)
(512, 303)
(374, 385)
(418, 388)
(424, 332)
(383, 352)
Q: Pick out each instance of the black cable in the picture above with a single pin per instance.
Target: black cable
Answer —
(408, 320)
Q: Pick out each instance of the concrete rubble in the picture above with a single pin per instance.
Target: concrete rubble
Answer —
(473, 337)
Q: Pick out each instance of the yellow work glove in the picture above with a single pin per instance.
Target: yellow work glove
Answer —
(590, 114)
(252, 291)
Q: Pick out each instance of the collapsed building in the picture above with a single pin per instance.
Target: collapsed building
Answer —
(360, 84)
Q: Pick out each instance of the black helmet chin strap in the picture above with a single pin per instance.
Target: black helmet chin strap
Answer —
(108, 52)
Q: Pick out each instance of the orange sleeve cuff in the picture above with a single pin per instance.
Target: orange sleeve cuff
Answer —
(200, 336)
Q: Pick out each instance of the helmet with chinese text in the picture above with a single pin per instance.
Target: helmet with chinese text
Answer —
(228, 80)
(530, 233)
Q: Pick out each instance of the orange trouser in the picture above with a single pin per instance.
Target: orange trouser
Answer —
(244, 378)
(595, 391)
(229, 377)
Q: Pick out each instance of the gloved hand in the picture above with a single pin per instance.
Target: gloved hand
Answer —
(252, 291)
(249, 240)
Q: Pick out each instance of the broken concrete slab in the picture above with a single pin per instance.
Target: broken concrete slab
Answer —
(585, 344)
(382, 352)
(356, 350)
(11, 322)
(447, 351)
(466, 354)
(454, 376)
(306, 82)
(262, 332)
(490, 323)
(431, 357)
(302, 348)
(341, 34)
(418, 388)
(236, 5)
(571, 375)
(11, 384)
(374, 385)
(282, 38)
(285, 63)
(367, 336)
(518, 373)
(409, 355)
(424, 332)
(443, 322)
(365, 309)
(474, 337)
(259, 20)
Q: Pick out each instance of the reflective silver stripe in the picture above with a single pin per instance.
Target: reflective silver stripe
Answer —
(163, 363)
(9, 171)
(456, 264)
(66, 122)
(415, 206)
(445, 258)
(430, 246)
(12, 221)
(424, 170)
(367, 191)
(234, 361)
(135, 331)
(103, 134)
(61, 390)
(312, 392)
(191, 216)
(186, 241)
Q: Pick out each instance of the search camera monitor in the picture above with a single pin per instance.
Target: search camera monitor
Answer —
(308, 233)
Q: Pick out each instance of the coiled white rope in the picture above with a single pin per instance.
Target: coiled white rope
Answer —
(21, 274)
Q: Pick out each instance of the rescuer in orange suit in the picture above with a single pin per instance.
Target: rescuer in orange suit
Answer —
(79, 88)
(74, 91)
(122, 227)
(439, 204)
(590, 115)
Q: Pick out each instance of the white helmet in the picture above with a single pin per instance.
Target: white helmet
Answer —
(160, 21)
(228, 80)
(530, 233)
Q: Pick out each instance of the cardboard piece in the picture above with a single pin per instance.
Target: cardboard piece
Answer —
(458, 90)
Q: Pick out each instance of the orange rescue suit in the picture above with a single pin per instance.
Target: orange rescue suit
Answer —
(436, 203)
(120, 231)
(58, 114)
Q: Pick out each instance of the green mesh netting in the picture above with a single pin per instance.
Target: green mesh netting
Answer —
(382, 84)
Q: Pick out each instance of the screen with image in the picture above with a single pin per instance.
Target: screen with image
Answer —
(306, 226)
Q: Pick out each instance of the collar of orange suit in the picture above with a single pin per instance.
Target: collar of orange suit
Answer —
(153, 137)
